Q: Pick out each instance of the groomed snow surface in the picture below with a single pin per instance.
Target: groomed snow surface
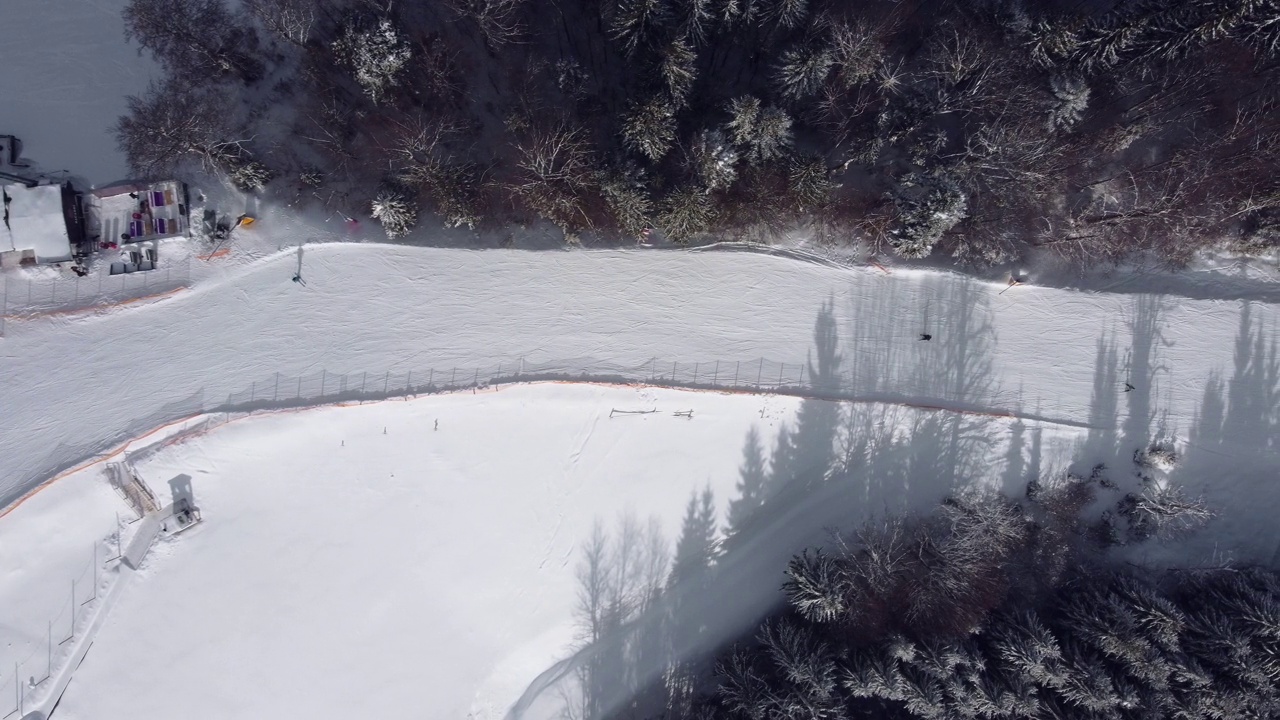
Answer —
(430, 573)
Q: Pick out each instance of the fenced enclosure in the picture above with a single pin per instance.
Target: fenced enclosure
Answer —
(34, 657)
(25, 674)
(28, 296)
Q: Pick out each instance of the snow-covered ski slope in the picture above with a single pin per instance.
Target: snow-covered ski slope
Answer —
(343, 571)
(299, 531)
(76, 385)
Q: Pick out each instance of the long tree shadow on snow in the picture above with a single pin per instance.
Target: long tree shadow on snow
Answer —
(1232, 452)
(836, 465)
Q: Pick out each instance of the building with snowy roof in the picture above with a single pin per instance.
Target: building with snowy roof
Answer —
(42, 223)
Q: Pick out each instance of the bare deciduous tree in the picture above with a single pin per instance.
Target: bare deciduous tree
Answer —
(498, 20)
(176, 122)
(554, 172)
(293, 21)
(195, 39)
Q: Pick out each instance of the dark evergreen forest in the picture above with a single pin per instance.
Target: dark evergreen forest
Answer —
(978, 130)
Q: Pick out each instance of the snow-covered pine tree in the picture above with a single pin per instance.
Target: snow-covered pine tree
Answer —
(811, 680)
(626, 194)
(396, 211)
(743, 689)
(1071, 100)
(809, 183)
(1029, 650)
(870, 674)
(764, 131)
(803, 68)
(376, 54)
(649, 128)
(817, 587)
(686, 211)
(635, 21)
(713, 159)
(677, 69)
(928, 206)
(789, 13)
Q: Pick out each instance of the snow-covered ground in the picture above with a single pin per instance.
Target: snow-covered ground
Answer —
(321, 583)
(354, 561)
(393, 559)
(1053, 354)
(64, 77)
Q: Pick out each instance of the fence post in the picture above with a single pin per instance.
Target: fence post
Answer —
(780, 370)
(453, 379)
(476, 382)
(324, 375)
(408, 382)
(673, 371)
(715, 379)
(276, 396)
(695, 373)
(364, 381)
(736, 368)
(386, 382)
(760, 374)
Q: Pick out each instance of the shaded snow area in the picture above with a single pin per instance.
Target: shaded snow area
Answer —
(66, 72)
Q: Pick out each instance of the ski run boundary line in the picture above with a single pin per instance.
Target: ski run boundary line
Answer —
(494, 386)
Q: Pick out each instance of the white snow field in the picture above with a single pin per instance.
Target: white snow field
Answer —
(346, 572)
(319, 585)
(65, 76)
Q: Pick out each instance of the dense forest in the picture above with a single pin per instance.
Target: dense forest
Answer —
(987, 607)
(978, 129)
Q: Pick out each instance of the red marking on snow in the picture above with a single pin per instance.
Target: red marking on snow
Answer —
(95, 308)
(878, 266)
(215, 254)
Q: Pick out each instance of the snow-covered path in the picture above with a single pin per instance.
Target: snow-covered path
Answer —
(72, 384)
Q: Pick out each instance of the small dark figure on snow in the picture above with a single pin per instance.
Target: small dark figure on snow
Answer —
(298, 279)
(1128, 387)
(133, 195)
(926, 337)
(437, 424)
